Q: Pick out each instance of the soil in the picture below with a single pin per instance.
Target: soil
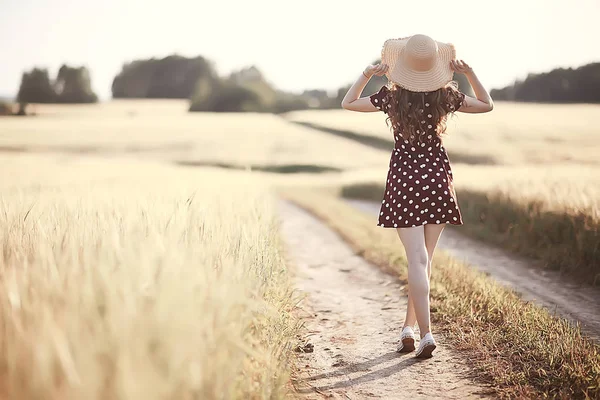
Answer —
(353, 314)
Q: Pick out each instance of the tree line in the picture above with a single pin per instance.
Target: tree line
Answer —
(195, 79)
(243, 90)
(177, 77)
(579, 85)
(173, 77)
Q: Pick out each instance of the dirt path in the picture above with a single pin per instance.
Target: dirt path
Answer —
(353, 313)
(571, 301)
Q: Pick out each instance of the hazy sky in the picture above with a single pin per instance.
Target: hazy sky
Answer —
(297, 44)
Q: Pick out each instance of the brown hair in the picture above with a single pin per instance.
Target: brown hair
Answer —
(409, 112)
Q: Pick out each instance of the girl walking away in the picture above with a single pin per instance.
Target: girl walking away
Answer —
(419, 198)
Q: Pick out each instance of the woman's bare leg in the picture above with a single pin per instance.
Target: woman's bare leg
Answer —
(432, 234)
(413, 240)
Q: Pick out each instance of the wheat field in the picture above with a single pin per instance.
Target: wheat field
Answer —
(133, 279)
(535, 151)
(527, 176)
(513, 134)
(165, 130)
(131, 253)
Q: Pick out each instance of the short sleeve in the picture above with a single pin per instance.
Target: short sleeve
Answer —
(380, 99)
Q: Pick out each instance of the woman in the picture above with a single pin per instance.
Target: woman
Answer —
(419, 198)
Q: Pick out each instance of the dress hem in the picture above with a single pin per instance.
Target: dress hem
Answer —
(416, 226)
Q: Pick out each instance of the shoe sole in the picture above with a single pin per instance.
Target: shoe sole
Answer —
(408, 345)
(426, 352)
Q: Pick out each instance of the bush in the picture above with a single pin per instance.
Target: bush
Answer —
(36, 87)
(243, 91)
(285, 103)
(224, 96)
(173, 77)
(72, 85)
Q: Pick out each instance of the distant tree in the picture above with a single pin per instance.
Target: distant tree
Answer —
(251, 78)
(36, 87)
(507, 93)
(224, 96)
(316, 98)
(580, 85)
(242, 91)
(317, 93)
(172, 77)
(289, 102)
(72, 85)
(234, 98)
(202, 98)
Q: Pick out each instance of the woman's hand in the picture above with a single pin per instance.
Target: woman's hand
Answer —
(377, 69)
(483, 102)
(461, 67)
(352, 101)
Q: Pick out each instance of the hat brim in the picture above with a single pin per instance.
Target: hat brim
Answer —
(417, 81)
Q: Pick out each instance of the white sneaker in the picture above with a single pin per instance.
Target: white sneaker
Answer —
(407, 340)
(426, 346)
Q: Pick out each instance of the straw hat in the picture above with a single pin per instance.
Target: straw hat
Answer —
(418, 63)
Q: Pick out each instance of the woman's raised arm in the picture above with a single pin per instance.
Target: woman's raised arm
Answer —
(483, 103)
(352, 101)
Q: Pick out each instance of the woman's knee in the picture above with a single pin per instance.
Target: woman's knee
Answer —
(418, 258)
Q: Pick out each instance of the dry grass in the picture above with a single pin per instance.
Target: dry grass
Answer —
(514, 133)
(117, 272)
(164, 130)
(569, 188)
(549, 213)
(516, 346)
(134, 280)
(541, 199)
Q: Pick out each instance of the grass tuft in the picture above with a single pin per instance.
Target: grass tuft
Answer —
(567, 240)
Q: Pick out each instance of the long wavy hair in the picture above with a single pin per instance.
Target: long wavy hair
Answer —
(407, 110)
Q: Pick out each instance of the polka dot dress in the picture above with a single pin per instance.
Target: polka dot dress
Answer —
(419, 188)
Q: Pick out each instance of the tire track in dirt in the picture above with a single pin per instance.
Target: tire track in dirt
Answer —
(353, 313)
